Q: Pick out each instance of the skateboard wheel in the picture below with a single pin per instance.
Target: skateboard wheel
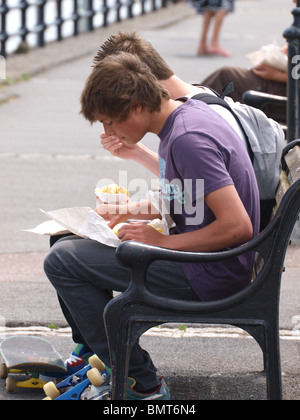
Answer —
(95, 377)
(11, 384)
(51, 391)
(3, 371)
(97, 363)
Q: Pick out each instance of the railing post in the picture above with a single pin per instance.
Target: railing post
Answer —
(41, 27)
(292, 35)
(23, 30)
(90, 24)
(118, 6)
(3, 34)
(75, 17)
(59, 20)
(129, 9)
(105, 11)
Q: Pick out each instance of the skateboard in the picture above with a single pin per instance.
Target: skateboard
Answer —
(75, 386)
(93, 382)
(28, 355)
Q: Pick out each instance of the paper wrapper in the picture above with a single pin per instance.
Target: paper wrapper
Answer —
(112, 198)
(85, 222)
(270, 54)
(82, 221)
(156, 201)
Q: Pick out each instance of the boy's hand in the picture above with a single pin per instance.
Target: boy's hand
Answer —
(140, 232)
(113, 213)
(117, 147)
(270, 73)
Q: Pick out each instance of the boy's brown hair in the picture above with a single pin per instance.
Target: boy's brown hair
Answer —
(130, 42)
(117, 85)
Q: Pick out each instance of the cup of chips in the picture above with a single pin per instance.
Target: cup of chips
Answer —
(112, 194)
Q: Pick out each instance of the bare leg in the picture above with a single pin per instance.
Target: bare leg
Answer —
(203, 47)
(215, 47)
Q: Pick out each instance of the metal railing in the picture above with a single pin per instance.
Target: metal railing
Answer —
(31, 21)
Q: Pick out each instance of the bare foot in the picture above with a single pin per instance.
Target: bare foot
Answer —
(219, 51)
(203, 50)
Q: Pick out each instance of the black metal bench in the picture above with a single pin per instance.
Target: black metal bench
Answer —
(255, 309)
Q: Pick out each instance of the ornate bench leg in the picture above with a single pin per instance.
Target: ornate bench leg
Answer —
(273, 366)
(119, 351)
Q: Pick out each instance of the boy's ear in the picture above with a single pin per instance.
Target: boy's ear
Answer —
(138, 109)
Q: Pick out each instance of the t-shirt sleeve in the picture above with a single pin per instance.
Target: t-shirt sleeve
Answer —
(198, 158)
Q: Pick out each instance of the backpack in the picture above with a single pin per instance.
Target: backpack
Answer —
(264, 137)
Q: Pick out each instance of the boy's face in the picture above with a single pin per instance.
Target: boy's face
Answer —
(132, 130)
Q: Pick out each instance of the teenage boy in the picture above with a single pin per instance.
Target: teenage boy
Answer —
(195, 144)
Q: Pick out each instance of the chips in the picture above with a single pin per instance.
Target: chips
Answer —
(155, 224)
(117, 227)
(112, 189)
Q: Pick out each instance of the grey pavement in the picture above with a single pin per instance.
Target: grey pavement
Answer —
(51, 158)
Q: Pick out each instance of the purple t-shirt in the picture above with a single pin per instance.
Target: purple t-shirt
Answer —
(199, 153)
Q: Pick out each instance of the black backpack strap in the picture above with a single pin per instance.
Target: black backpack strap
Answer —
(227, 89)
(218, 98)
(210, 99)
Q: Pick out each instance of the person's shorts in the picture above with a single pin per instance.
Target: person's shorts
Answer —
(213, 5)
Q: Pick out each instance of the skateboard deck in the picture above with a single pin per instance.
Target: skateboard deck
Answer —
(29, 355)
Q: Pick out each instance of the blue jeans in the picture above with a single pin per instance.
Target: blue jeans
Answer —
(85, 273)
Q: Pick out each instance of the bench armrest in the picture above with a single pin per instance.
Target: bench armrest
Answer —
(258, 99)
(131, 253)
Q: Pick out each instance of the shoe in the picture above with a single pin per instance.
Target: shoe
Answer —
(78, 359)
(104, 392)
(161, 393)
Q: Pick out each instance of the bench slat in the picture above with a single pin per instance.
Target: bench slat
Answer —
(292, 159)
(282, 188)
